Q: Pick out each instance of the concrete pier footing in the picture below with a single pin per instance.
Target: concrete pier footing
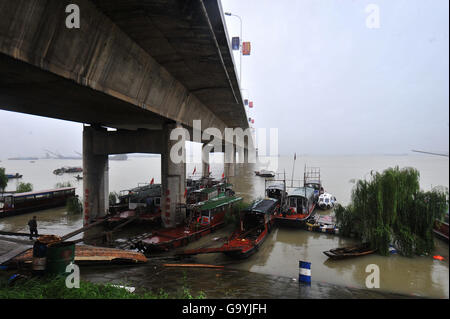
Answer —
(173, 178)
(95, 178)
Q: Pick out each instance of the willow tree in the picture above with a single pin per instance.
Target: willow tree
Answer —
(3, 179)
(391, 208)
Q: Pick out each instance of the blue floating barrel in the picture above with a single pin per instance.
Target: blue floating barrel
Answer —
(304, 272)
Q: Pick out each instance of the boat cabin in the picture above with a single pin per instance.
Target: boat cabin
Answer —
(301, 201)
(145, 196)
(213, 211)
(259, 214)
(277, 192)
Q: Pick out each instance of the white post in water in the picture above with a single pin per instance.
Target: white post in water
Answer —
(304, 272)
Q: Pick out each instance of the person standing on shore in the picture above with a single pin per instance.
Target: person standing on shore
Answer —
(32, 223)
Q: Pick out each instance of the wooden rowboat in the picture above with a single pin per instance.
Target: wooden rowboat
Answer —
(349, 252)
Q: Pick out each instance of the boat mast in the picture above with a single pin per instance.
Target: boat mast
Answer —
(293, 166)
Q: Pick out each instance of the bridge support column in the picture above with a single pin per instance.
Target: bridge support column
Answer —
(95, 178)
(173, 178)
(230, 159)
(205, 160)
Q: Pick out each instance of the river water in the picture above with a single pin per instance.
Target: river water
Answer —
(284, 248)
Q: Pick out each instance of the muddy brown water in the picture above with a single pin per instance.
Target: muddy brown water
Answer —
(278, 257)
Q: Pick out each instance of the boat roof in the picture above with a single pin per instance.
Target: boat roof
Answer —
(262, 206)
(43, 192)
(218, 202)
(301, 192)
(276, 186)
(207, 190)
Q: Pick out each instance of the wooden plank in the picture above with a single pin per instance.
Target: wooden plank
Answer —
(193, 265)
(83, 229)
(8, 233)
(13, 253)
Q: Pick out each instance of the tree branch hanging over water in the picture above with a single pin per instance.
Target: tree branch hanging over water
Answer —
(391, 208)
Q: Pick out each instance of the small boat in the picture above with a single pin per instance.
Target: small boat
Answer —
(12, 204)
(349, 252)
(323, 224)
(256, 223)
(12, 176)
(63, 170)
(264, 173)
(326, 201)
(78, 177)
(300, 206)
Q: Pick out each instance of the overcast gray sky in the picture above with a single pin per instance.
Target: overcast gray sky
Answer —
(330, 84)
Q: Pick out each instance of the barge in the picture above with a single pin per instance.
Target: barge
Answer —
(12, 204)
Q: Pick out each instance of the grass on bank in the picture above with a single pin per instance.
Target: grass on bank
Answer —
(55, 288)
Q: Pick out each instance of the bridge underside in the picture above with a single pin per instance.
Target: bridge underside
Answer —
(132, 64)
(27, 89)
(148, 66)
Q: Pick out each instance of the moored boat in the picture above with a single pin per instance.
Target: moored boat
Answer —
(202, 219)
(350, 252)
(322, 224)
(265, 173)
(326, 201)
(12, 176)
(300, 207)
(20, 203)
(256, 223)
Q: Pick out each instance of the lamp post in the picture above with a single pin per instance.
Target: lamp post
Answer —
(240, 44)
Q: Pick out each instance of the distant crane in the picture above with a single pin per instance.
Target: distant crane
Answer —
(54, 154)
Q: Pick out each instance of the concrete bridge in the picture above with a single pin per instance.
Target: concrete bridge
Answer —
(141, 67)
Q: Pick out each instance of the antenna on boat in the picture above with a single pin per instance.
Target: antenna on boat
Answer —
(293, 166)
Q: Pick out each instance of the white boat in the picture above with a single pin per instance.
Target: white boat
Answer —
(326, 201)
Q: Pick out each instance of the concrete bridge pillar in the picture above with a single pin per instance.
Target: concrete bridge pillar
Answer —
(206, 150)
(95, 178)
(230, 159)
(173, 178)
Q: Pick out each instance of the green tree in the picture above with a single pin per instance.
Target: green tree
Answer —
(24, 187)
(391, 208)
(3, 179)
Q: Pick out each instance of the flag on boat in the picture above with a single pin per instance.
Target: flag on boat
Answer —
(253, 121)
(185, 192)
(195, 169)
(223, 175)
(153, 180)
(235, 43)
(246, 48)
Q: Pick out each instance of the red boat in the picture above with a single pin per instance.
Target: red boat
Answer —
(256, 223)
(203, 218)
(300, 207)
(21, 203)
